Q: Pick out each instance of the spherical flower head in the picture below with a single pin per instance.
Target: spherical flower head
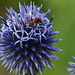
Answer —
(72, 70)
(27, 40)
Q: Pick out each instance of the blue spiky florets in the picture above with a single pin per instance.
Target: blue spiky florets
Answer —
(27, 40)
(72, 70)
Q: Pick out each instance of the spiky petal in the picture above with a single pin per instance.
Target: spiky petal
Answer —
(72, 64)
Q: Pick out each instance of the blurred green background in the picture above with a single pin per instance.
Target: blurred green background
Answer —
(64, 21)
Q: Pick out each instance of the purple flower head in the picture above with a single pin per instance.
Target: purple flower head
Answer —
(72, 70)
(27, 40)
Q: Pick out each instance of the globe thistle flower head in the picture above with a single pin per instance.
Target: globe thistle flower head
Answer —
(72, 64)
(27, 40)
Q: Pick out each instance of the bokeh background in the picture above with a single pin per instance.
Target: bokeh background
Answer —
(64, 21)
